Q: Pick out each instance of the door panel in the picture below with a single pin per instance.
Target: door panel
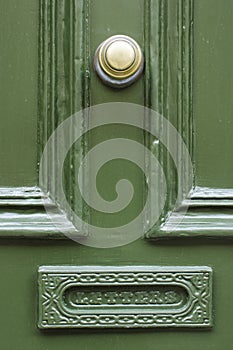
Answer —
(47, 69)
(19, 263)
(18, 94)
(212, 106)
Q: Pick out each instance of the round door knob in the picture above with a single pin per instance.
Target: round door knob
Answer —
(119, 61)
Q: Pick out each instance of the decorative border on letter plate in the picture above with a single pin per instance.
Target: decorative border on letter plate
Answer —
(55, 281)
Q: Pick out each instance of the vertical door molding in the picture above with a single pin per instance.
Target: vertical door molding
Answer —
(170, 72)
(63, 89)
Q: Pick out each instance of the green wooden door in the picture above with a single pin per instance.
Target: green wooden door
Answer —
(70, 283)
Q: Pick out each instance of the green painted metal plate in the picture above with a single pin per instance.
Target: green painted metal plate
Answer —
(124, 297)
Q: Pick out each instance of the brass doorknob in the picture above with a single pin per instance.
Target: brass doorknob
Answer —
(119, 61)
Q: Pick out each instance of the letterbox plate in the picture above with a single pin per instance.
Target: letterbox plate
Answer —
(124, 297)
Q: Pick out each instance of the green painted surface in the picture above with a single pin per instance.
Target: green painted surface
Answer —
(213, 86)
(19, 260)
(109, 18)
(18, 92)
(124, 297)
(19, 265)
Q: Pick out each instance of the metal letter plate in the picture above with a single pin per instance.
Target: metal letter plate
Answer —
(124, 297)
